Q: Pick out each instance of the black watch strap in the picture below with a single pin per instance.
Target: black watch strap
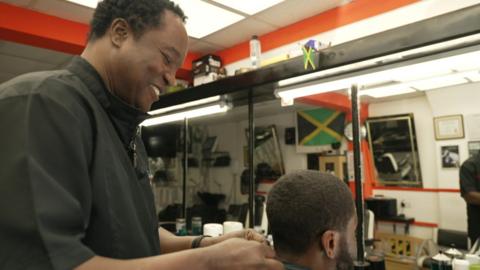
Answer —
(197, 240)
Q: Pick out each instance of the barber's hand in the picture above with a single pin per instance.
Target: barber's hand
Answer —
(236, 253)
(247, 234)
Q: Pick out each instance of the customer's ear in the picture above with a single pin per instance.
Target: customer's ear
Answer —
(330, 241)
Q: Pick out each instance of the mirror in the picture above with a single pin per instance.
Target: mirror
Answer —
(394, 148)
(268, 160)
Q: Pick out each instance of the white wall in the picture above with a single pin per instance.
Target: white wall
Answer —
(447, 209)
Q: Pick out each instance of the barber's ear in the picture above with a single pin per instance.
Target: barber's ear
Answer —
(330, 241)
(119, 32)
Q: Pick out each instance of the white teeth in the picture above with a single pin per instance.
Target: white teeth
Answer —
(157, 91)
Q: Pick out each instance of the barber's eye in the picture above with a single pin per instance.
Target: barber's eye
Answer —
(166, 58)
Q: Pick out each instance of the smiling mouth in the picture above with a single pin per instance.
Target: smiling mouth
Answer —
(156, 89)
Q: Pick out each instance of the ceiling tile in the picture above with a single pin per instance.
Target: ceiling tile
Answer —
(20, 3)
(292, 11)
(33, 53)
(205, 47)
(191, 42)
(249, 6)
(64, 9)
(243, 31)
(204, 18)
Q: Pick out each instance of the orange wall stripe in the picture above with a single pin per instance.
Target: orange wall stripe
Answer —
(452, 190)
(425, 224)
(415, 223)
(340, 16)
(36, 29)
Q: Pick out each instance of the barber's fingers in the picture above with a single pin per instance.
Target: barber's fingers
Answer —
(268, 251)
(273, 264)
(251, 234)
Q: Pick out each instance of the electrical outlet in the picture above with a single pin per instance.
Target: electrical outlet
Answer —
(405, 204)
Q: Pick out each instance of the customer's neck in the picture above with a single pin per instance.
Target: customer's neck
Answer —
(312, 259)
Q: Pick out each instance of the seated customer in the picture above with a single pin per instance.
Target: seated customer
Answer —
(312, 219)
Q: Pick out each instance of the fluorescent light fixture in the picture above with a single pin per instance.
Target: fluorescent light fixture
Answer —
(419, 71)
(387, 91)
(421, 76)
(439, 82)
(186, 105)
(472, 59)
(87, 3)
(204, 18)
(249, 7)
(474, 76)
(194, 113)
(289, 94)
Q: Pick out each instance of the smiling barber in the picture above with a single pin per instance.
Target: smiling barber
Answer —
(74, 191)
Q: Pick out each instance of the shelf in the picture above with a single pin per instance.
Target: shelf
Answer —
(262, 82)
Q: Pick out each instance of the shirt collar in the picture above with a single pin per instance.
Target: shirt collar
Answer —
(292, 266)
(124, 117)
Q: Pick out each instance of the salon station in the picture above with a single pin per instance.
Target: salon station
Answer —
(382, 94)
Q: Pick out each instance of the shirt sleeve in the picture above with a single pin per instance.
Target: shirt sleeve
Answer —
(468, 176)
(45, 195)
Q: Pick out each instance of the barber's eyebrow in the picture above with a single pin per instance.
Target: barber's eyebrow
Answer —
(174, 51)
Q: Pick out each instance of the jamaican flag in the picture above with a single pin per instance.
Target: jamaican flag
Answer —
(320, 126)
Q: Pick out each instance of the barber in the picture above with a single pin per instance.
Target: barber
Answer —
(470, 191)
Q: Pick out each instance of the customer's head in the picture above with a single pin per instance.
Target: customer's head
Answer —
(312, 219)
(143, 43)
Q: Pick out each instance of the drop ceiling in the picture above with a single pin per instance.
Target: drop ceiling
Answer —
(16, 59)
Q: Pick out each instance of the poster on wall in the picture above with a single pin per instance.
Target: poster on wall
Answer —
(450, 156)
(473, 148)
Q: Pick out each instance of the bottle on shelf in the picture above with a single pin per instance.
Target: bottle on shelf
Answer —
(255, 52)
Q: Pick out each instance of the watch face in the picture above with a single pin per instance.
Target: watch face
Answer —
(348, 131)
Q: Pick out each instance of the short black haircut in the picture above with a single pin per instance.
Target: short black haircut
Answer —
(302, 205)
(141, 15)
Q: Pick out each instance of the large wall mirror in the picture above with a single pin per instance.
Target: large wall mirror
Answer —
(394, 148)
(267, 152)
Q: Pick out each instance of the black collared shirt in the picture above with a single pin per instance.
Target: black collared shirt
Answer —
(292, 266)
(470, 182)
(68, 187)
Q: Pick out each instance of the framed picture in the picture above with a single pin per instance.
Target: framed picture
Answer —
(448, 127)
(393, 144)
(473, 148)
(450, 156)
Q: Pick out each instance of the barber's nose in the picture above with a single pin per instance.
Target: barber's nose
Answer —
(170, 79)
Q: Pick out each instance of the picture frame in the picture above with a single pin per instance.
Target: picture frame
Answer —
(473, 148)
(450, 156)
(448, 127)
(394, 150)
